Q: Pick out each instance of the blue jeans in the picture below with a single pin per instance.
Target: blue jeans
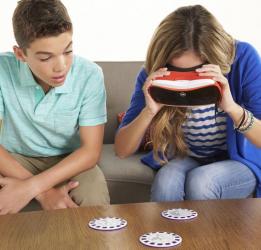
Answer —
(189, 179)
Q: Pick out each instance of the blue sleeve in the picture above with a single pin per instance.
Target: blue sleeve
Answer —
(250, 66)
(136, 106)
(245, 85)
(137, 100)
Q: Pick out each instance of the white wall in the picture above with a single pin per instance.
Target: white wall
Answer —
(120, 30)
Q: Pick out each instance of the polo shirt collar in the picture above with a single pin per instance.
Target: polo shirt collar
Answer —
(26, 76)
(28, 80)
(66, 87)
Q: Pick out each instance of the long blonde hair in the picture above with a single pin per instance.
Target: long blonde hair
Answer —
(187, 28)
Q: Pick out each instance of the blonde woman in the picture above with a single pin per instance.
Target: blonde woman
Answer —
(200, 153)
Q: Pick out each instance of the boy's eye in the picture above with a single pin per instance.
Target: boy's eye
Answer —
(68, 52)
(45, 59)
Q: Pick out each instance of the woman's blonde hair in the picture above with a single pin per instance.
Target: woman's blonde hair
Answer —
(187, 28)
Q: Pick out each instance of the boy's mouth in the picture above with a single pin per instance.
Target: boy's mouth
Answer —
(59, 79)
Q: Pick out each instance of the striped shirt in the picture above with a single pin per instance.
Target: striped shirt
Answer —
(205, 131)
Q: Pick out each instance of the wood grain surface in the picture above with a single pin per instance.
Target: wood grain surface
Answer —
(222, 224)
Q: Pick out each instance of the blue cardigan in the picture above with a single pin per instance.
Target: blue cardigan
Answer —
(245, 84)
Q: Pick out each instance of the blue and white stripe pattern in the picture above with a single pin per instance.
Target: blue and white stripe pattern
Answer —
(205, 131)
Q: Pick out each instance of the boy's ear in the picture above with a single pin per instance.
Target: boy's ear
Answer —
(19, 53)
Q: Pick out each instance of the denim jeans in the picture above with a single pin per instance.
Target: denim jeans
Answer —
(190, 179)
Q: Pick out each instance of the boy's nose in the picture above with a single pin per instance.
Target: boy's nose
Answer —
(60, 65)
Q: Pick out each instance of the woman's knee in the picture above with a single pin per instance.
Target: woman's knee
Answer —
(219, 180)
(168, 185)
(200, 185)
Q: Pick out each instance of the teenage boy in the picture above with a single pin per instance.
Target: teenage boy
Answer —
(52, 108)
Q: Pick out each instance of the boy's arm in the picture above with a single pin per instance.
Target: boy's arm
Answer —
(9, 167)
(80, 160)
(12, 173)
(13, 176)
(15, 194)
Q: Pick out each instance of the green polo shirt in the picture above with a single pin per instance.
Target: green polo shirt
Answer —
(35, 124)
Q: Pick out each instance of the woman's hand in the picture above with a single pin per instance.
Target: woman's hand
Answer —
(152, 106)
(227, 102)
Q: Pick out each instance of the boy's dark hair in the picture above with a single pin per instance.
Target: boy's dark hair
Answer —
(34, 19)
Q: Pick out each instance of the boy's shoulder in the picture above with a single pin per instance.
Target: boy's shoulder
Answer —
(85, 67)
(7, 58)
(7, 55)
(9, 65)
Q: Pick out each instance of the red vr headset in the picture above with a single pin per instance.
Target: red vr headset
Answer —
(185, 88)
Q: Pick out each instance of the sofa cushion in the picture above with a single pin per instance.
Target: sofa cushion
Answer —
(128, 179)
(120, 82)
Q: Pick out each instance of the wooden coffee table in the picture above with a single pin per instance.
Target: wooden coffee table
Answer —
(223, 224)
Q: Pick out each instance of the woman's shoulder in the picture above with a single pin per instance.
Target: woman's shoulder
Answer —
(141, 78)
(142, 74)
(242, 45)
(245, 50)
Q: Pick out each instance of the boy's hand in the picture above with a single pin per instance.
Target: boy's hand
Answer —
(58, 198)
(15, 194)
